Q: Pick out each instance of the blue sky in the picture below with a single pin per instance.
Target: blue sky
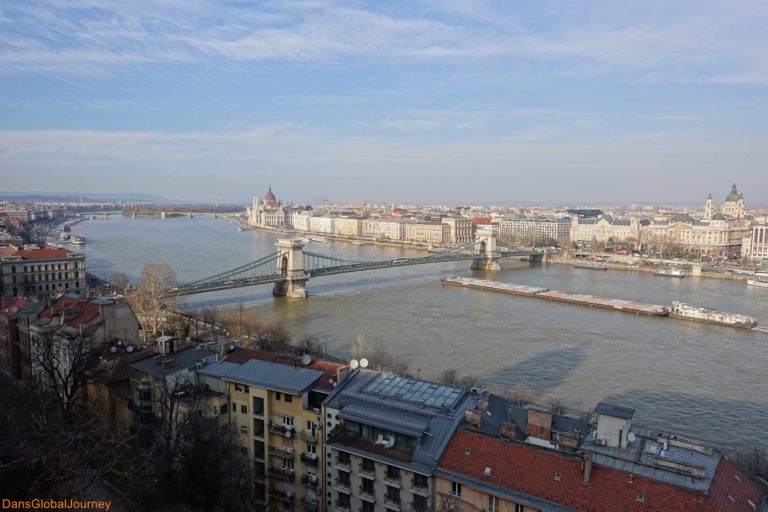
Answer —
(425, 101)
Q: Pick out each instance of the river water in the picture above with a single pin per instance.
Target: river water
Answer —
(695, 379)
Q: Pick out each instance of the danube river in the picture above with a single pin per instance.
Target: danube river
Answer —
(706, 381)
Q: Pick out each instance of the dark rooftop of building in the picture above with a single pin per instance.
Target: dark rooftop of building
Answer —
(616, 411)
(160, 366)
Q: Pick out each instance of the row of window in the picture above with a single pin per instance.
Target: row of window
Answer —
(494, 503)
(52, 287)
(46, 268)
(48, 277)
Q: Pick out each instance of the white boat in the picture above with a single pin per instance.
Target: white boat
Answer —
(670, 273)
(759, 282)
(78, 239)
(317, 239)
(64, 236)
(239, 228)
(686, 312)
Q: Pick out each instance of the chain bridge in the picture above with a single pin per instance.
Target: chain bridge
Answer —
(290, 267)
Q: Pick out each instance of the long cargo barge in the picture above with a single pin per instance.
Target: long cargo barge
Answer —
(592, 301)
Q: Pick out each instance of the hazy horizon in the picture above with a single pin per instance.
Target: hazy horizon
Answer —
(434, 101)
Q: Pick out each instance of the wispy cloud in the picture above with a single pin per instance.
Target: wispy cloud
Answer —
(720, 43)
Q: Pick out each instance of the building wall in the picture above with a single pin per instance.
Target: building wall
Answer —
(755, 244)
(460, 231)
(391, 229)
(475, 500)
(42, 278)
(274, 449)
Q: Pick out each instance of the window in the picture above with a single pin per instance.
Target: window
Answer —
(493, 504)
(343, 500)
(243, 409)
(368, 466)
(343, 478)
(238, 387)
(258, 449)
(311, 448)
(393, 473)
(344, 458)
(420, 481)
(243, 431)
(367, 486)
(244, 450)
(258, 427)
(393, 494)
(519, 508)
(288, 398)
(258, 405)
(456, 489)
(278, 395)
(641, 498)
(368, 507)
(223, 409)
(287, 421)
(288, 465)
(420, 503)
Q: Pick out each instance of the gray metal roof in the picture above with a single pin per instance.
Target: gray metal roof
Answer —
(616, 411)
(217, 369)
(425, 410)
(404, 423)
(182, 360)
(274, 376)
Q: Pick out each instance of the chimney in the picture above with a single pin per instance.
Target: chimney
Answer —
(587, 466)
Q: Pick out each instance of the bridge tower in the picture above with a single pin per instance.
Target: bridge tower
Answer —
(290, 263)
(485, 248)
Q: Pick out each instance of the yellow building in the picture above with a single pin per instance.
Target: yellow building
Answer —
(275, 405)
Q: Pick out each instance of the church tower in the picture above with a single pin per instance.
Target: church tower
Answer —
(709, 208)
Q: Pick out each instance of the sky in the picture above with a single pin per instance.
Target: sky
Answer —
(424, 101)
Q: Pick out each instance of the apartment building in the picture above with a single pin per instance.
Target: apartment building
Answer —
(391, 229)
(40, 271)
(348, 226)
(384, 435)
(754, 246)
(275, 404)
(427, 232)
(536, 230)
(460, 230)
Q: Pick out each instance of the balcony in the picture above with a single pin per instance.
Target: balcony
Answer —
(367, 472)
(343, 486)
(285, 497)
(309, 480)
(279, 428)
(285, 474)
(285, 453)
(342, 464)
(310, 459)
(310, 504)
(421, 490)
(391, 504)
(344, 437)
(308, 437)
(366, 494)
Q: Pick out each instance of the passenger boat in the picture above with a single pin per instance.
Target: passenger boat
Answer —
(761, 280)
(78, 239)
(317, 239)
(64, 236)
(675, 272)
(686, 312)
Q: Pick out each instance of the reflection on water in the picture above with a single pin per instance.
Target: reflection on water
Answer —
(699, 379)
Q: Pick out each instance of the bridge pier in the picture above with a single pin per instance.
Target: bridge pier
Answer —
(485, 248)
(290, 263)
(162, 215)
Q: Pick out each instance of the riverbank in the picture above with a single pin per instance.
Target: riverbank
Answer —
(655, 266)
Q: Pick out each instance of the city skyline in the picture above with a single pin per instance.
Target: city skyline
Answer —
(432, 102)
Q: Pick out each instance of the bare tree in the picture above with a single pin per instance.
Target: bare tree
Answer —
(150, 298)
(754, 459)
(521, 394)
(450, 503)
(378, 356)
(119, 282)
(64, 366)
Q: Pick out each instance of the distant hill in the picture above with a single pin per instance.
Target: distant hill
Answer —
(70, 197)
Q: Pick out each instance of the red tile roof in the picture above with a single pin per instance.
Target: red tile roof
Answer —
(10, 309)
(531, 470)
(329, 369)
(45, 252)
(82, 310)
